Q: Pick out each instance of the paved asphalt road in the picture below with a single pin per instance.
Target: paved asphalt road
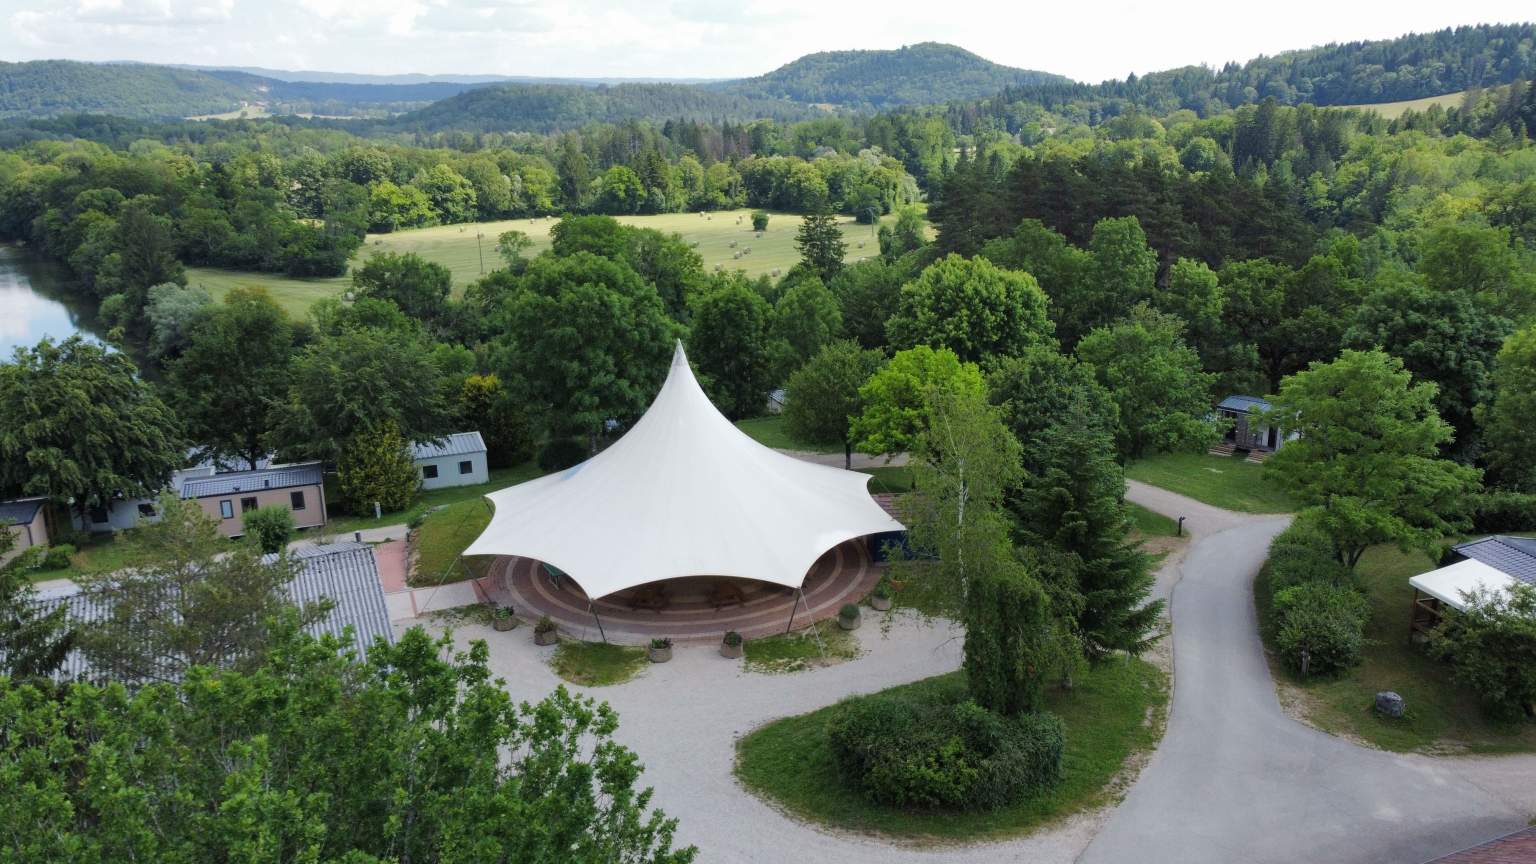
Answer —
(1236, 780)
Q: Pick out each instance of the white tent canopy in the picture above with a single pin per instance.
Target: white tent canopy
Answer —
(1449, 584)
(683, 493)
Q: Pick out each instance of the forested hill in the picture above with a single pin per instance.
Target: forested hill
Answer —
(923, 74)
(1352, 73)
(46, 88)
(555, 107)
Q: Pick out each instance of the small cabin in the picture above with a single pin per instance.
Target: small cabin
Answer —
(1246, 429)
(454, 460)
(228, 497)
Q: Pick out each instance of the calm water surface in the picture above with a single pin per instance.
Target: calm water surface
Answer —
(34, 303)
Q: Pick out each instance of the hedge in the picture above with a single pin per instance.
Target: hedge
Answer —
(1500, 512)
(1317, 611)
(909, 753)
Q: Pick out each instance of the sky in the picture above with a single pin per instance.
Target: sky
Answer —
(1089, 41)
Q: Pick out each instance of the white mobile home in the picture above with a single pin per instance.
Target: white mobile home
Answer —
(454, 460)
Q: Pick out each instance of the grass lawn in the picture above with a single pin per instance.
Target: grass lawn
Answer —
(889, 478)
(443, 535)
(1221, 481)
(1442, 716)
(1394, 110)
(597, 664)
(769, 431)
(801, 650)
(1114, 712)
(101, 553)
(1151, 524)
(460, 248)
(500, 478)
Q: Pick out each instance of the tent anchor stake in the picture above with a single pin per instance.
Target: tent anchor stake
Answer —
(593, 610)
(793, 609)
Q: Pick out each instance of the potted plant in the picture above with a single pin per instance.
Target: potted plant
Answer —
(848, 617)
(501, 618)
(880, 598)
(545, 632)
(731, 646)
(661, 650)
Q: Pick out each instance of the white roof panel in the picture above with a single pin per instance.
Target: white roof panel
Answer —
(1450, 583)
(683, 493)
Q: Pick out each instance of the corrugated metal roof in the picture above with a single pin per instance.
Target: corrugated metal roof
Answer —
(20, 511)
(457, 444)
(1513, 555)
(1511, 848)
(307, 474)
(1248, 404)
(345, 573)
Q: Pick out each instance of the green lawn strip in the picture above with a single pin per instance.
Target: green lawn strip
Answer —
(597, 664)
(1113, 712)
(1150, 523)
(1442, 716)
(769, 431)
(1221, 481)
(500, 478)
(801, 650)
(889, 478)
(443, 535)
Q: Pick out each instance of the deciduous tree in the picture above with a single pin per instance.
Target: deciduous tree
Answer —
(1156, 381)
(971, 307)
(895, 399)
(822, 397)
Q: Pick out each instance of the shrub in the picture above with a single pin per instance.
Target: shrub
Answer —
(271, 527)
(1008, 640)
(561, 453)
(1491, 646)
(907, 753)
(759, 220)
(848, 612)
(1320, 628)
(28, 559)
(58, 556)
(1303, 554)
(544, 625)
(732, 638)
(376, 467)
(1496, 512)
(662, 643)
(501, 613)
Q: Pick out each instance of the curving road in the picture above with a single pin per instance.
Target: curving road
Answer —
(1235, 779)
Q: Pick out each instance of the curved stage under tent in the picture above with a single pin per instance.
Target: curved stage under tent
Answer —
(688, 609)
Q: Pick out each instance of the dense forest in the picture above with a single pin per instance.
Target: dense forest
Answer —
(924, 74)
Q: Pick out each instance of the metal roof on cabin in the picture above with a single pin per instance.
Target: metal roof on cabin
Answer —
(20, 511)
(345, 573)
(457, 444)
(1513, 555)
(1246, 404)
(308, 474)
(1509, 849)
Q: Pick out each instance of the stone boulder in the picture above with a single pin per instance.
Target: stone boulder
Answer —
(1389, 704)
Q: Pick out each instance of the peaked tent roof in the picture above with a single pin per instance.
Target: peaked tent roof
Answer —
(683, 493)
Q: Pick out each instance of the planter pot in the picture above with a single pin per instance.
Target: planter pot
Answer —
(660, 655)
(504, 624)
(731, 651)
(849, 623)
(880, 604)
(546, 638)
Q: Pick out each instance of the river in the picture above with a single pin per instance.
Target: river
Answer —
(34, 302)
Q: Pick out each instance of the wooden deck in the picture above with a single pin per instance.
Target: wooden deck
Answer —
(698, 608)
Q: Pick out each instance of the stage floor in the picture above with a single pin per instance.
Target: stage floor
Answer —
(698, 608)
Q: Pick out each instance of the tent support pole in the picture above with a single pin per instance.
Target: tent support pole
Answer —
(593, 610)
(799, 592)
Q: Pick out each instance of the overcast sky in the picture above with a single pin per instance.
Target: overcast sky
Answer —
(1089, 41)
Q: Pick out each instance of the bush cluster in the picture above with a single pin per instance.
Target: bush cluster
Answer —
(561, 453)
(1318, 615)
(909, 753)
(1497, 512)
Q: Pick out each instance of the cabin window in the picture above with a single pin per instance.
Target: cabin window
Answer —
(227, 509)
(296, 500)
(247, 505)
(99, 515)
(147, 510)
(466, 467)
(429, 472)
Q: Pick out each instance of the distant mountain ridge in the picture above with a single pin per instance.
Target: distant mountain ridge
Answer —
(922, 74)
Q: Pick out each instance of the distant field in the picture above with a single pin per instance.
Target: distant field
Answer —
(1394, 110)
(456, 247)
